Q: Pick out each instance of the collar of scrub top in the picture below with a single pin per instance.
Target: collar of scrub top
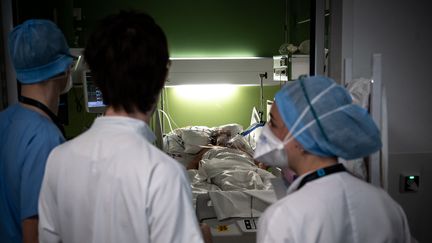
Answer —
(302, 180)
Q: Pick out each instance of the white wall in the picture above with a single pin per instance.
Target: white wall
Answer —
(401, 32)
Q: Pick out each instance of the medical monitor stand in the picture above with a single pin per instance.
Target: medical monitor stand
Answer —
(261, 112)
(93, 98)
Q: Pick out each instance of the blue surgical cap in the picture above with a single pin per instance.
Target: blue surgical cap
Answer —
(321, 116)
(38, 50)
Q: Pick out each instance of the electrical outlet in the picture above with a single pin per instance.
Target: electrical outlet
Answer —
(409, 183)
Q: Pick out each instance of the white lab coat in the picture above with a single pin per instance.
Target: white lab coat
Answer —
(337, 208)
(111, 185)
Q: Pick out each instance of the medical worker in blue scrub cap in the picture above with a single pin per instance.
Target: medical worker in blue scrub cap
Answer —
(30, 129)
(313, 122)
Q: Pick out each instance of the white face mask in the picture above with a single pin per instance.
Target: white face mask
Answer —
(68, 86)
(270, 150)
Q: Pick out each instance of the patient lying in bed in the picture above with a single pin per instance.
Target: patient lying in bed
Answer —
(221, 138)
(224, 163)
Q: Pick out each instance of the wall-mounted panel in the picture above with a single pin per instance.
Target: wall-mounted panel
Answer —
(243, 71)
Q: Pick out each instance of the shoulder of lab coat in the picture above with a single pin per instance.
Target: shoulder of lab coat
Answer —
(336, 208)
(115, 173)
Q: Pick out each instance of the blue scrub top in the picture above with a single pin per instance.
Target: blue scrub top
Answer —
(26, 139)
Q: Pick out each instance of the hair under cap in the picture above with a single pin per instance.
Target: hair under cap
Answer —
(321, 116)
(38, 50)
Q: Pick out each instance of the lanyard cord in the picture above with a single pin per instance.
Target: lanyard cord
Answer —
(321, 173)
(45, 109)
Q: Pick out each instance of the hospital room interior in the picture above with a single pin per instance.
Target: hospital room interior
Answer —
(228, 60)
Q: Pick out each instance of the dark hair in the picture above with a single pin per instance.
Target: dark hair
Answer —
(128, 56)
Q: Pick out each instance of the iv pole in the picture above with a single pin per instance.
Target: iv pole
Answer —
(261, 112)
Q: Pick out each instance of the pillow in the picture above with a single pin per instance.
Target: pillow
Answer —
(360, 90)
(173, 143)
(234, 129)
(193, 139)
(253, 136)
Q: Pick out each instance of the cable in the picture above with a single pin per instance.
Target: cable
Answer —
(261, 112)
(167, 117)
(175, 124)
(165, 97)
(77, 100)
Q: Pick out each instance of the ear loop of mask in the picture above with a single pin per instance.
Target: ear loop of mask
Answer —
(314, 100)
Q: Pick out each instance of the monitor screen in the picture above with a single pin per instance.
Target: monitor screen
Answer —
(93, 96)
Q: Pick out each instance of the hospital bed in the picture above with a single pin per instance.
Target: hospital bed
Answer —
(235, 218)
(229, 191)
(233, 214)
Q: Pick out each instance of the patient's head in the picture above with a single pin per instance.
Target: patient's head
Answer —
(220, 137)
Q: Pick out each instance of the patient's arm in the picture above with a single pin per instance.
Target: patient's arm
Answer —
(260, 165)
(195, 161)
(205, 230)
(30, 229)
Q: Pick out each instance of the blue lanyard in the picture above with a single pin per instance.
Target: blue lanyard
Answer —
(321, 173)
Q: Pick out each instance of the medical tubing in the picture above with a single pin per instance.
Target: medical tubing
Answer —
(167, 107)
(255, 126)
(172, 119)
(175, 124)
(314, 100)
(166, 115)
(313, 110)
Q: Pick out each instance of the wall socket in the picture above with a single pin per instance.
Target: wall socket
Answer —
(409, 183)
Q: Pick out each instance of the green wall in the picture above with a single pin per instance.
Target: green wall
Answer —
(214, 111)
(198, 29)
(203, 28)
(59, 11)
(194, 29)
(184, 111)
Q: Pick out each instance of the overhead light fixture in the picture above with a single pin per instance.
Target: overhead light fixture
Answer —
(205, 92)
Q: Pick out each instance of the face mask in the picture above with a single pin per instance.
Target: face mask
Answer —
(68, 86)
(270, 150)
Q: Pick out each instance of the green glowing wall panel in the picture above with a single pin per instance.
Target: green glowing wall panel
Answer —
(215, 112)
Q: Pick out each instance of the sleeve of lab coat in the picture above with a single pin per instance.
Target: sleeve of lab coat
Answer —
(170, 210)
(48, 225)
(272, 229)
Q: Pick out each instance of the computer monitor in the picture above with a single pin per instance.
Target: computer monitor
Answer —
(92, 95)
